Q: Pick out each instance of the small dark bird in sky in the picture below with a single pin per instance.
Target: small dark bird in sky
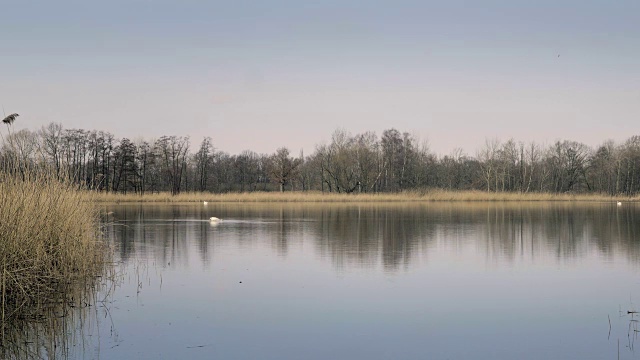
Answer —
(10, 119)
(558, 55)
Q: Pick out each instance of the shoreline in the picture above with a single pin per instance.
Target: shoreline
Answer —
(319, 197)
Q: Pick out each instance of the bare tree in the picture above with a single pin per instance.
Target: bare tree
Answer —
(172, 150)
(51, 136)
(487, 156)
(283, 167)
(204, 161)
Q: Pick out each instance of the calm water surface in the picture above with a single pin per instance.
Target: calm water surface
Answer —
(349, 281)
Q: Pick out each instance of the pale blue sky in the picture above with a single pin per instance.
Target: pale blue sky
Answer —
(259, 75)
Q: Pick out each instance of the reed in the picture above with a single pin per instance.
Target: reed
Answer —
(50, 245)
(64, 327)
(319, 197)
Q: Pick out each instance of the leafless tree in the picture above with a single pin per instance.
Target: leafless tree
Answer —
(283, 167)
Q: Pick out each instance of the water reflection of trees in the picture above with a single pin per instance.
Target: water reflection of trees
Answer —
(368, 235)
(135, 229)
(391, 236)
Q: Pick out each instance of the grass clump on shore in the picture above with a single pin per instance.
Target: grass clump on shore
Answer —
(50, 245)
(318, 197)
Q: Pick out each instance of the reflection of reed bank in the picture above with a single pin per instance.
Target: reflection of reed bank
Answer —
(62, 326)
(145, 230)
(367, 235)
(390, 236)
(393, 236)
(566, 231)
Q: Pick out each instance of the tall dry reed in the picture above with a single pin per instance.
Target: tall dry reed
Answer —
(50, 244)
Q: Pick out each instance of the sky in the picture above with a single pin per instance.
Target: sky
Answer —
(261, 75)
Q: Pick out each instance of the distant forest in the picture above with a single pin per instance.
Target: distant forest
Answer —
(361, 163)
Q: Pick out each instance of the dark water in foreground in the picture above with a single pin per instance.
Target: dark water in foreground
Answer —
(348, 281)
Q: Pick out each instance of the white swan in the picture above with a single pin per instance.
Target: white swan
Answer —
(619, 203)
(214, 219)
(205, 203)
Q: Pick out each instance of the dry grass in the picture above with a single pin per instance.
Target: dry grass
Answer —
(50, 245)
(318, 197)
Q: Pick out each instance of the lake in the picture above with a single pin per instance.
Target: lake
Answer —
(369, 281)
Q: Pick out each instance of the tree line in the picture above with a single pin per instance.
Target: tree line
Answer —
(360, 163)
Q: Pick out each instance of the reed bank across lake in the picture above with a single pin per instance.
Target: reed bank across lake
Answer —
(320, 197)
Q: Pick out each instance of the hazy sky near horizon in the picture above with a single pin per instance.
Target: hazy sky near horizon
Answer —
(264, 74)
